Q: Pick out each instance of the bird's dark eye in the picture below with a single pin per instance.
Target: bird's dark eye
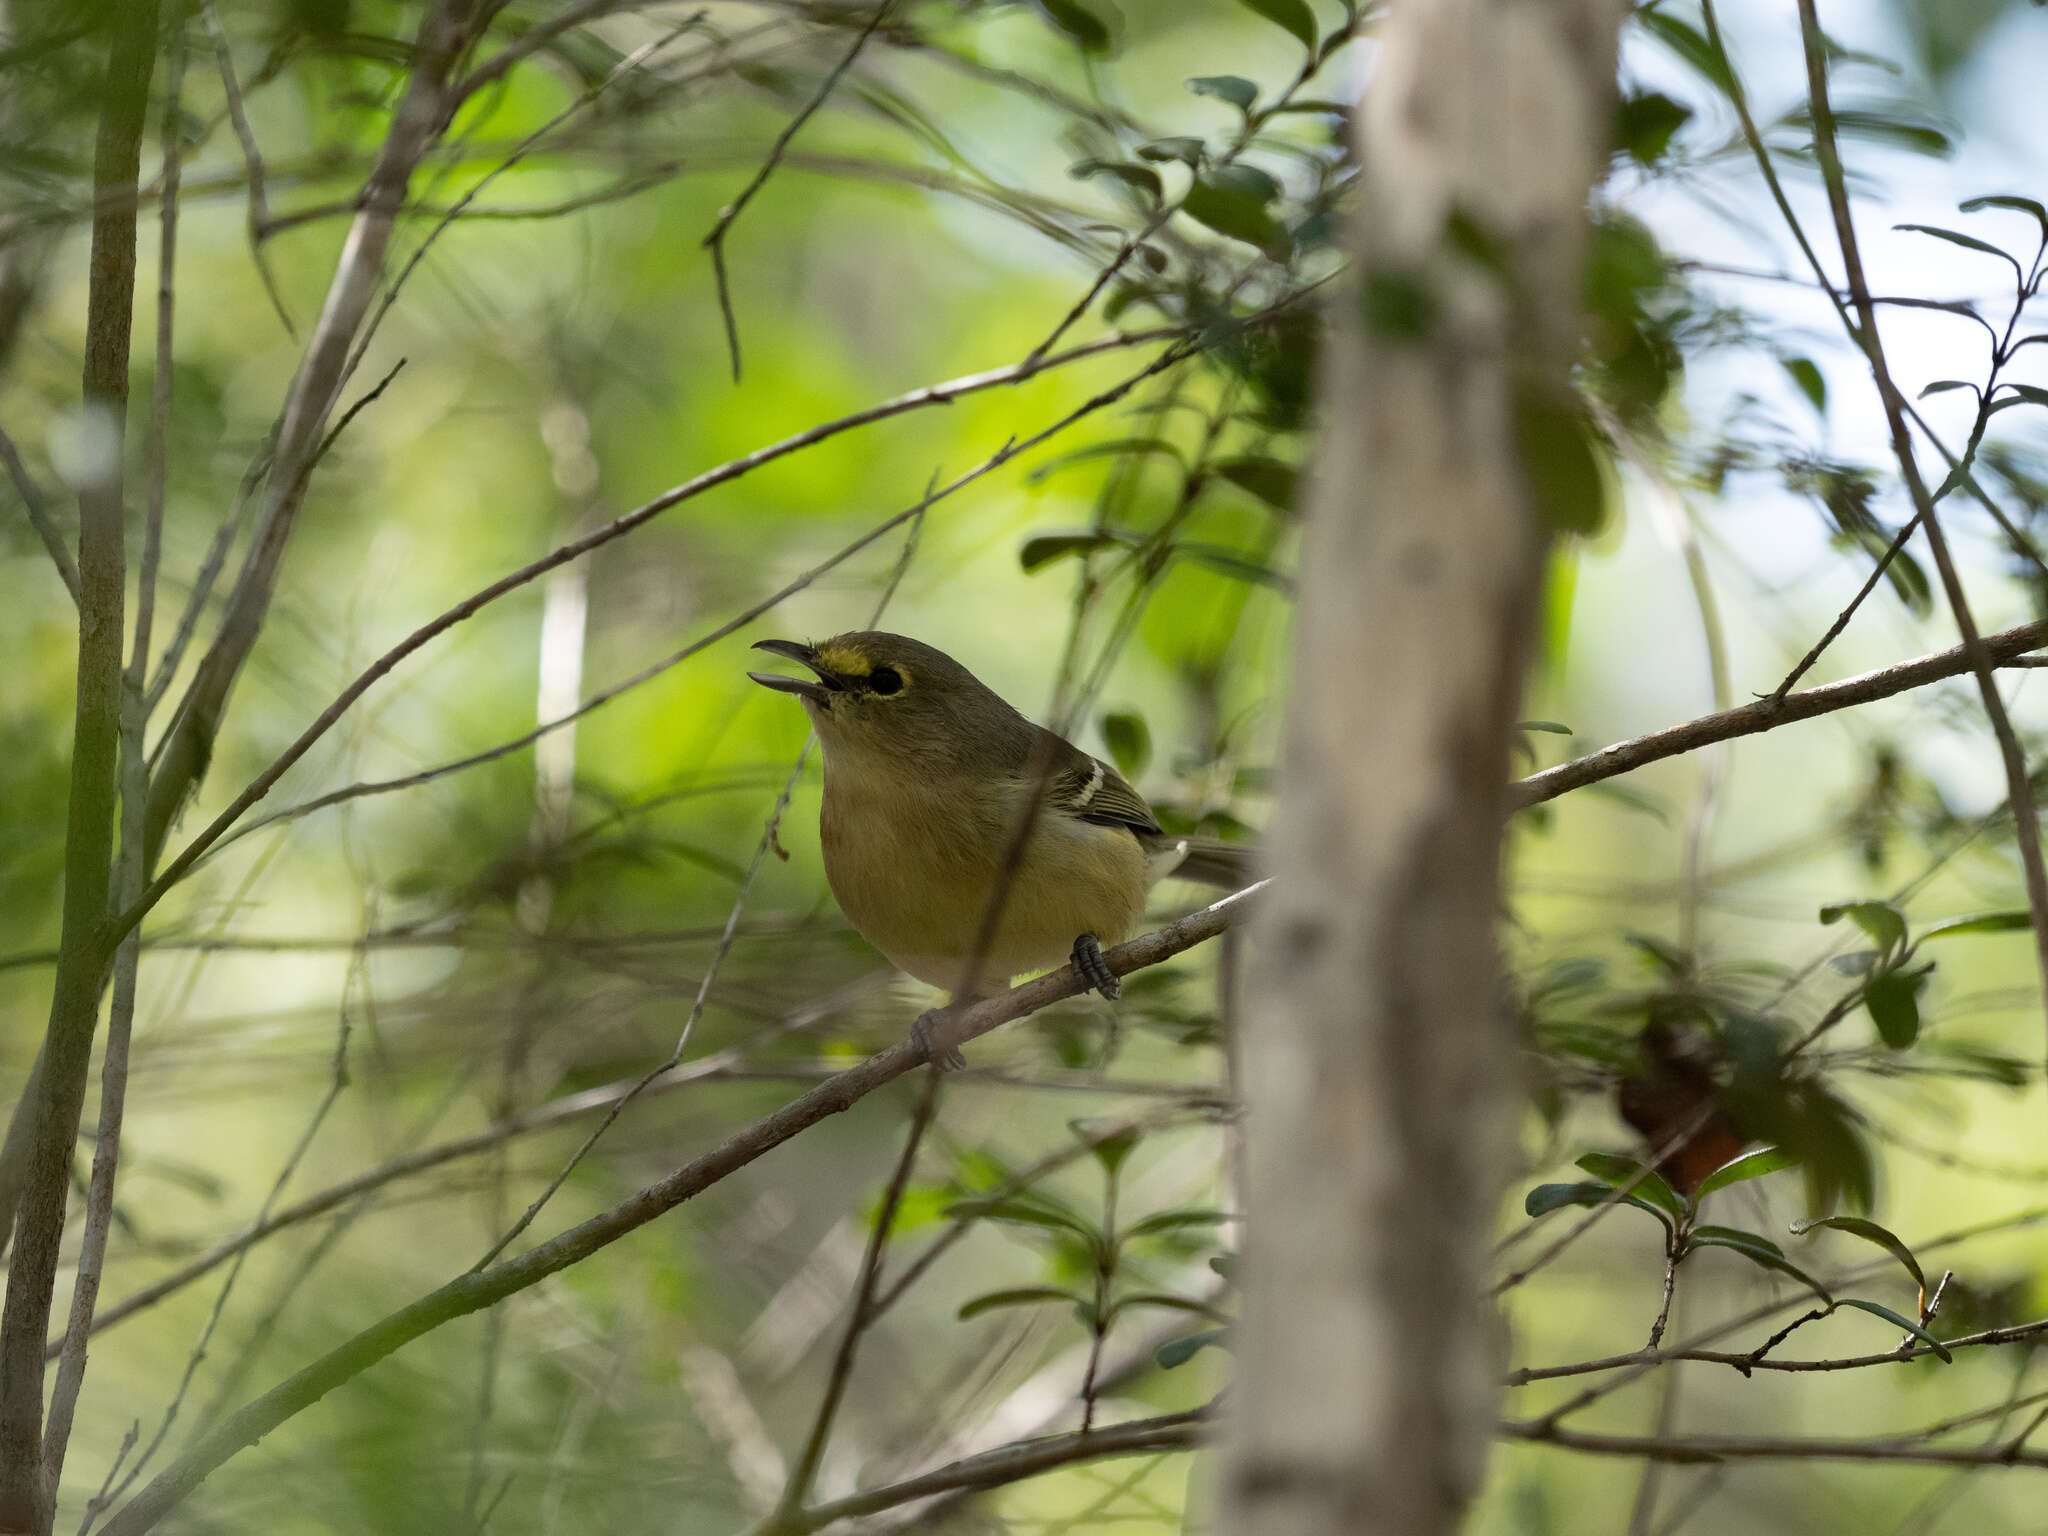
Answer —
(885, 680)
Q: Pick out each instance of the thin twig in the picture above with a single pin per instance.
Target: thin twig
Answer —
(715, 241)
(252, 160)
(38, 508)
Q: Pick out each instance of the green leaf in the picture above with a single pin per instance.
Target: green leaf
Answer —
(1899, 1322)
(1890, 124)
(1956, 237)
(1165, 1299)
(1176, 1352)
(1649, 1183)
(1943, 386)
(1114, 448)
(1172, 1221)
(1990, 922)
(1561, 452)
(1082, 23)
(1110, 1140)
(1691, 45)
(1857, 962)
(1021, 1296)
(1042, 549)
(1750, 1165)
(1550, 727)
(1228, 562)
(1293, 15)
(1645, 123)
(1235, 89)
(1188, 151)
(1225, 1265)
(1130, 742)
(1140, 177)
(1019, 1213)
(1545, 1198)
(1894, 1003)
(1870, 1232)
(1272, 481)
(1807, 376)
(1761, 1251)
(2016, 204)
(1230, 209)
(1880, 919)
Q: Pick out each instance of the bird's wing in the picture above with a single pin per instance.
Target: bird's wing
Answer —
(1088, 789)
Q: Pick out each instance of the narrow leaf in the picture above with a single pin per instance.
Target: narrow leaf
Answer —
(1956, 237)
(1990, 922)
(1171, 1221)
(1649, 1183)
(1897, 1321)
(1870, 1232)
(1751, 1165)
(2016, 204)
(1545, 1198)
(1180, 1351)
(1022, 1296)
(1763, 1256)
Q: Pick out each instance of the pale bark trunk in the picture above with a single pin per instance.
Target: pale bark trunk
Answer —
(1379, 1054)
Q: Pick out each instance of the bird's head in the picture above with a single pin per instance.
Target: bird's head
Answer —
(874, 693)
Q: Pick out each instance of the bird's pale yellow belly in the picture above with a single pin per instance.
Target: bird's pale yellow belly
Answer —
(913, 869)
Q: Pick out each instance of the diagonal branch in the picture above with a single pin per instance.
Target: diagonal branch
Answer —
(38, 508)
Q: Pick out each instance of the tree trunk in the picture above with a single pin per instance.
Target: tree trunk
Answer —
(1380, 1056)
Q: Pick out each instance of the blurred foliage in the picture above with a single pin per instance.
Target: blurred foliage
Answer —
(1706, 964)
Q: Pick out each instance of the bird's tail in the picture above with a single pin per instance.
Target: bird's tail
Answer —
(1210, 861)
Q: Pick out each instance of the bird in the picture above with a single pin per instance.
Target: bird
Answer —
(939, 795)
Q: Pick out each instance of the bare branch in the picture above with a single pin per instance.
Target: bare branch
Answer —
(252, 158)
(1715, 1448)
(2002, 649)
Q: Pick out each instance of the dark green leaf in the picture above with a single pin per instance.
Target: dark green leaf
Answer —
(1645, 123)
(1879, 919)
(1870, 1232)
(1141, 177)
(1398, 306)
(1736, 1236)
(1165, 1299)
(1115, 448)
(1561, 453)
(1751, 1165)
(1900, 1322)
(2015, 204)
(1172, 1221)
(1021, 1296)
(1890, 124)
(1647, 1182)
(1294, 15)
(1943, 386)
(1225, 1265)
(1231, 210)
(1045, 548)
(1272, 481)
(1226, 562)
(1894, 1003)
(1808, 377)
(1759, 1251)
(1691, 45)
(1130, 743)
(1180, 1351)
(1090, 25)
(1188, 151)
(1235, 89)
(1110, 1140)
(1019, 1213)
(1545, 1198)
(1991, 922)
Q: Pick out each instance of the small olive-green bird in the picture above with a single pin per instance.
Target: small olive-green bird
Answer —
(928, 779)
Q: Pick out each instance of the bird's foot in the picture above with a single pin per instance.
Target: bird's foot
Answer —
(1093, 969)
(930, 1035)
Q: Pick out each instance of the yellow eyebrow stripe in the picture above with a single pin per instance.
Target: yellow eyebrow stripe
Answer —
(844, 662)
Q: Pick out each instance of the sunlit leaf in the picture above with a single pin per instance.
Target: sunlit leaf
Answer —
(1751, 1165)
(1870, 1232)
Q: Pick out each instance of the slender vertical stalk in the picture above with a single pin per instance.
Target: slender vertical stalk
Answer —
(59, 1089)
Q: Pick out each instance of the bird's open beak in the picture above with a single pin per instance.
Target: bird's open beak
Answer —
(819, 692)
